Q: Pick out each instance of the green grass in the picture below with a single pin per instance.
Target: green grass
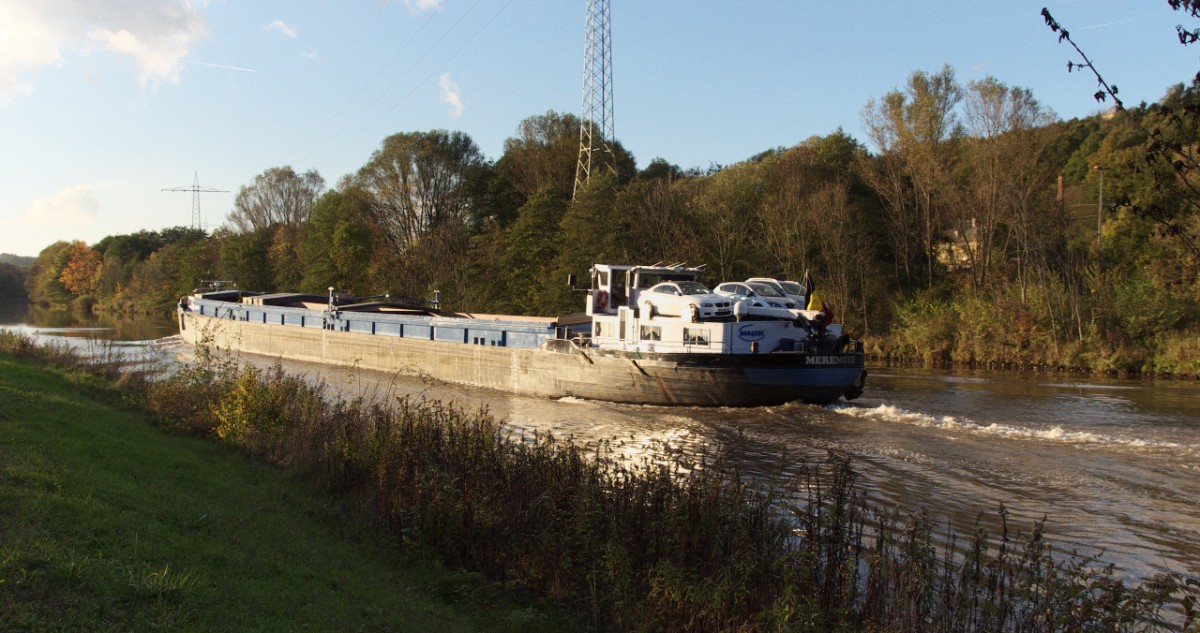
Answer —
(110, 523)
(117, 525)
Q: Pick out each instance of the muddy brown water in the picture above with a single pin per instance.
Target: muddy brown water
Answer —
(1113, 465)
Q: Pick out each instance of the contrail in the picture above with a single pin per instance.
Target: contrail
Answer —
(245, 70)
(1108, 24)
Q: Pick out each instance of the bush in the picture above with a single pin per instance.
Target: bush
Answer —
(1145, 312)
(685, 543)
(682, 543)
(927, 329)
(985, 331)
(1179, 354)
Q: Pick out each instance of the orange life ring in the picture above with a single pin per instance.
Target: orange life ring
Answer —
(601, 299)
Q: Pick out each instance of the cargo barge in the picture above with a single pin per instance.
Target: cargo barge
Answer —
(626, 347)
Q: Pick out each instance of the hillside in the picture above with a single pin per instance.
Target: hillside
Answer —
(16, 260)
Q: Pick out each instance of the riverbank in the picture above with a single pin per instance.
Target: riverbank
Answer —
(678, 543)
(1179, 360)
(881, 359)
(937, 342)
(111, 523)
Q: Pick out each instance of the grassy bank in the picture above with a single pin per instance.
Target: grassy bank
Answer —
(109, 523)
(682, 543)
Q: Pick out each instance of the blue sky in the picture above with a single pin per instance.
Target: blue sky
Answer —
(104, 104)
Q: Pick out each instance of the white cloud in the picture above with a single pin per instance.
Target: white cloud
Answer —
(450, 95)
(279, 26)
(156, 34)
(158, 58)
(24, 43)
(421, 6)
(72, 207)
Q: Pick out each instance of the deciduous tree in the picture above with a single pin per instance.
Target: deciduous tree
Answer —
(916, 133)
(12, 280)
(1172, 137)
(278, 196)
(336, 249)
(417, 182)
(245, 260)
(79, 273)
(43, 284)
(727, 214)
(1005, 175)
(543, 153)
(531, 246)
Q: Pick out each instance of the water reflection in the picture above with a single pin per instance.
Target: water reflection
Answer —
(1112, 464)
(1112, 470)
(20, 315)
(12, 310)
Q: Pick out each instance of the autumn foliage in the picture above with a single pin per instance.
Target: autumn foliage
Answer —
(79, 274)
(970, 227)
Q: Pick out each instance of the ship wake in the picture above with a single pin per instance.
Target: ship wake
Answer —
(1056, 433)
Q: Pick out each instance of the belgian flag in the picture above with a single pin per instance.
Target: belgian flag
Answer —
(815, 300)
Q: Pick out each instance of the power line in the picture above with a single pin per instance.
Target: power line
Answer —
(379, 96)
(440, 67)
(345, 106)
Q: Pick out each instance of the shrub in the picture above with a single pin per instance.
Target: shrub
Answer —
(683, 542)
(927, 328)
(1179, 354)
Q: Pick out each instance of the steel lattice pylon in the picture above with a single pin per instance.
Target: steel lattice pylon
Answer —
(596, 116)
(196, 189)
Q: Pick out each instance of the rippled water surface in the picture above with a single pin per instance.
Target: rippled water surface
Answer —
(1114, 466)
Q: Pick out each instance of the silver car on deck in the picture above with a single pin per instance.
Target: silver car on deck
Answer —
(757, 294)
(689, 300)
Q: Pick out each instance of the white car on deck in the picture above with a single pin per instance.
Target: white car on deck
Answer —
(757, 294)
(792, 289)
(689, 300)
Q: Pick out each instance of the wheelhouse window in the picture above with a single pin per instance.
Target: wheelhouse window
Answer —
(693, 336)
(619, 295)
(651, 333)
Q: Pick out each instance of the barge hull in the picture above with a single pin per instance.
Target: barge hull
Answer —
(556, 369)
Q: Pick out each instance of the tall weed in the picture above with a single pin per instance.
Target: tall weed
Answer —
(678, 543)
(926, 329)
(682, 543)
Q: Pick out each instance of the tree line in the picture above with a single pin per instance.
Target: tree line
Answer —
(972, 230)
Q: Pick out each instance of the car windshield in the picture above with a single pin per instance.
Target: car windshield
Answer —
(693, 288)
(764, 290)
(792, 287)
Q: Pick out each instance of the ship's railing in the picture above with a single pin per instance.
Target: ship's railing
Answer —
(445, 329)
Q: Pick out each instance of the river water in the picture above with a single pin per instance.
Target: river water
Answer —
(1113, 465)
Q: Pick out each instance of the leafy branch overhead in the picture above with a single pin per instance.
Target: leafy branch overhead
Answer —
(1170, 132)
(1064, 36)
(1192, 8)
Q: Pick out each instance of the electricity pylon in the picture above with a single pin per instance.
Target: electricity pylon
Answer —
(196, 189)
(596, 117)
